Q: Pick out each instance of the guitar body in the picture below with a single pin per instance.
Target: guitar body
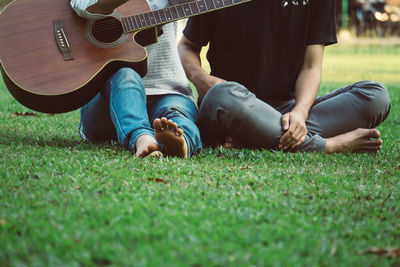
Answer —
(37, 73)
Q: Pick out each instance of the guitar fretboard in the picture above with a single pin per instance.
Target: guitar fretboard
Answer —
(172, 13)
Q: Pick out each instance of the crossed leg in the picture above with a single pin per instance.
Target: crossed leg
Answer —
(367, 103)
(359, 140)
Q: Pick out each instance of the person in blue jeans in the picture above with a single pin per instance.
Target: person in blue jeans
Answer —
(154, 115)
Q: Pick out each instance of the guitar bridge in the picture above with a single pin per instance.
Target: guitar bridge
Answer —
(61, 40)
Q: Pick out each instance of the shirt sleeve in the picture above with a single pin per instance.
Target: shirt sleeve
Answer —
(323, 25)
(80, 7)
(200, 29)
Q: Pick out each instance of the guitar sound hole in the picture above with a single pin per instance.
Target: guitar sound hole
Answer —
(107, 30)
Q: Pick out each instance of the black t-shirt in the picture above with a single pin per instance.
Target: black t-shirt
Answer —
(261, 44)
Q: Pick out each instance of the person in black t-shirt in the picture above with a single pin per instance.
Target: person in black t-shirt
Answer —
(266, 66)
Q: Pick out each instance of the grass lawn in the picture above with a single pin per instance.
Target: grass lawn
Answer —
(64, 202)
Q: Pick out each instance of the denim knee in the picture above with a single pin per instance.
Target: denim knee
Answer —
(127, 73)
(125, 78)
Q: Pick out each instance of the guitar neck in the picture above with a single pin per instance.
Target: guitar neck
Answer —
(173, 13)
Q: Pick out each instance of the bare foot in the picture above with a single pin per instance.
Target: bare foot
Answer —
(360, 140)
(146, 145)
(168, 134)
(230, 142)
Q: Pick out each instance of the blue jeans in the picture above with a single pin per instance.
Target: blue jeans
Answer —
(122, 112)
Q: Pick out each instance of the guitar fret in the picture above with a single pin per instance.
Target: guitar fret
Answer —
(123, 22)
(190, 8)
(180, 10)
(130, 23)
(161, 18)
(159, 21)
(229, 2)
(165, 15)
(142, 20)
(208, 5)
(168, 14)
(212, 1)
(197, 5)
(137, 21)
(177, 12)
(202, 6)
(127, 26)
(186, 10)
(174, 13)
(148, 20)
(218, 4)
(194, 8)
(152, 19)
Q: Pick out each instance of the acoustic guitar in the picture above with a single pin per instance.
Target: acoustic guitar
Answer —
(53, 61)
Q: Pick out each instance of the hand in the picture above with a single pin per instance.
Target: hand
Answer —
(294, 125)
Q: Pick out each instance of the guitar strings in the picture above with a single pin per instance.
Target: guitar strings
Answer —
(115, 24)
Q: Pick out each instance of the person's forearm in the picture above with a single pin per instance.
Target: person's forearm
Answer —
(106, 6)
(307, 85)
(191, 61)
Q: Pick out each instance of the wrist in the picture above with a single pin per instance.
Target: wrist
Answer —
(302, 111)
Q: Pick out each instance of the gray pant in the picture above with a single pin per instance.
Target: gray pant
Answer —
(230, 109)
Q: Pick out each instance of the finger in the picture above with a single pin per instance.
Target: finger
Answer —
(291, 133)
(287, 139)
(299, 142)
(283, 139)
(285, 122)
(297, 135)
(288, 142)
(299, 132)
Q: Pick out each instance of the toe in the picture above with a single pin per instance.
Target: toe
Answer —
(157, 125)
(174, 127)
(170, 124)
(179, 131)
(143, 153)
(374, 133)
(164, 121)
